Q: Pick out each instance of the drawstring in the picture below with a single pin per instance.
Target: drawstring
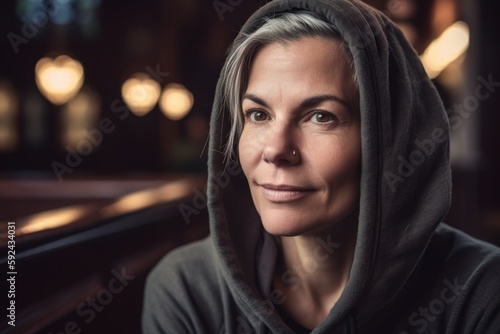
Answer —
(350, 324)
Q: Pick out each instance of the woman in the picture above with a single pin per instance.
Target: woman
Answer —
(334, 224)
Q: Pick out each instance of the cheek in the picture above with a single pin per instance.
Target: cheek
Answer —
(338, 163)
(246, 152)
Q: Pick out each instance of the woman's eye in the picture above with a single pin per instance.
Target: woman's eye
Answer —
(323, 117)
(256, 116)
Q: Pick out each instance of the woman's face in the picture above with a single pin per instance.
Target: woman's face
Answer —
(300, 147)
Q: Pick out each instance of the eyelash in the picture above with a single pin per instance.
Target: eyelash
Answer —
(328, 113)
(247, 114)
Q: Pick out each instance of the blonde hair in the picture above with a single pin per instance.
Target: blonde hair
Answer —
(286, 27)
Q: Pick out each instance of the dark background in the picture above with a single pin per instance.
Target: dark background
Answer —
(70, 259)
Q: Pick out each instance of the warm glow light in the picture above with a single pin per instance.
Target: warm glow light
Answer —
(80, 115)
(59, 79)
(149, 197)
(52, 219)
(176, 101)
(8, 138)
(450, 45)
(401, 9)
(8, 117)
(141, 93)
(8, 103)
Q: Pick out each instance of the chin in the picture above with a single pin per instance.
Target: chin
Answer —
(284, 231)
(289, 225)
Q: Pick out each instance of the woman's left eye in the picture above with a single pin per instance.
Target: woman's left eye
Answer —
(323, 117)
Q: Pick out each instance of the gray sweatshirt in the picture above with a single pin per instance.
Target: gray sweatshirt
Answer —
(411, 273)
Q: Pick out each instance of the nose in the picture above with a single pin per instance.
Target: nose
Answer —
(281, 146)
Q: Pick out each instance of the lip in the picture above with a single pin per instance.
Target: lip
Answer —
(283, 193)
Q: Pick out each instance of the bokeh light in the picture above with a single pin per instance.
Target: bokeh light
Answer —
(176, 101)
(140, 93)
(445, 49)
(59, 79)
(80, 115)
(9, 107)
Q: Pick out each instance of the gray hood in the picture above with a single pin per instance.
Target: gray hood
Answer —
(405, 174)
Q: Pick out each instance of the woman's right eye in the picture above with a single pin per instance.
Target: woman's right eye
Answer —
(256, 116)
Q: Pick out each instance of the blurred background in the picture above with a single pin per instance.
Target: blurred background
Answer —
(104, 109)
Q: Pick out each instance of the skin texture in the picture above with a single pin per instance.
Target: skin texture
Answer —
(301, 97)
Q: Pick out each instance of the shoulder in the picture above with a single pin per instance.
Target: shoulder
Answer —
(464, 251)
(186, 263)
(468, 271)
(185, 269)
(182, 292)
(458, 255)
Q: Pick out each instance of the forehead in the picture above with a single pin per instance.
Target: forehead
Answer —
(307, 66)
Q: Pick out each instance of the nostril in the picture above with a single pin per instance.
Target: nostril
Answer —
(280, 155)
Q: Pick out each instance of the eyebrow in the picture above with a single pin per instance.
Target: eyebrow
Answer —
(307, 103)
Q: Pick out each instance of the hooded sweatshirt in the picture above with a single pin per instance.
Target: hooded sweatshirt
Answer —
(411, 273)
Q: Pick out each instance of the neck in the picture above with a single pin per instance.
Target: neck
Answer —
(316, 266)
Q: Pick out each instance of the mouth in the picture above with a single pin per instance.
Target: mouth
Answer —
(283, 193)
